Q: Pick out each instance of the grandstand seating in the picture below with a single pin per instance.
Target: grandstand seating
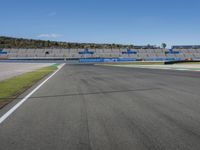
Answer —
(140, 54)
(3, 54)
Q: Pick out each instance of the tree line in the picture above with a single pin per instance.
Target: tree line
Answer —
(10, 42)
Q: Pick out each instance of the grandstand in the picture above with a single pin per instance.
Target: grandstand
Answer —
(176, 53)
(3, 54)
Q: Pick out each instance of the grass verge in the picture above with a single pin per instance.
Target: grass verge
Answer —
(135, 63)
(13, 87)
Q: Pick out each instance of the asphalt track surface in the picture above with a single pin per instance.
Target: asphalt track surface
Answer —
(85, 107)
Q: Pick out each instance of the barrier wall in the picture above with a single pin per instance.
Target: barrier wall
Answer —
(82, 60)
(163, 59)
(101, 60)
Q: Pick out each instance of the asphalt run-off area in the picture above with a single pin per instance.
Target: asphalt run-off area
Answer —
(87, 107)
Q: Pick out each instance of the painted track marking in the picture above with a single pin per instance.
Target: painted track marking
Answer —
(7, 114)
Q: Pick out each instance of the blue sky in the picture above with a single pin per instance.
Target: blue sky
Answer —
(103, 21)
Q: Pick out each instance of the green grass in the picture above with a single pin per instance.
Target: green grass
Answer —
(193, 63)
(13, 87)
(134, 63)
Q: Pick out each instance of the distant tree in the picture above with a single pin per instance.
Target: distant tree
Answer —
(148, 46)
(164, 45)
(10, 42)
(45, 44)
(131, 46)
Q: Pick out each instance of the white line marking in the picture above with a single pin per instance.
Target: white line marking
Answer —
(7, 114)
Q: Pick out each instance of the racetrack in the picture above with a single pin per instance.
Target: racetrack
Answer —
(86, 107)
